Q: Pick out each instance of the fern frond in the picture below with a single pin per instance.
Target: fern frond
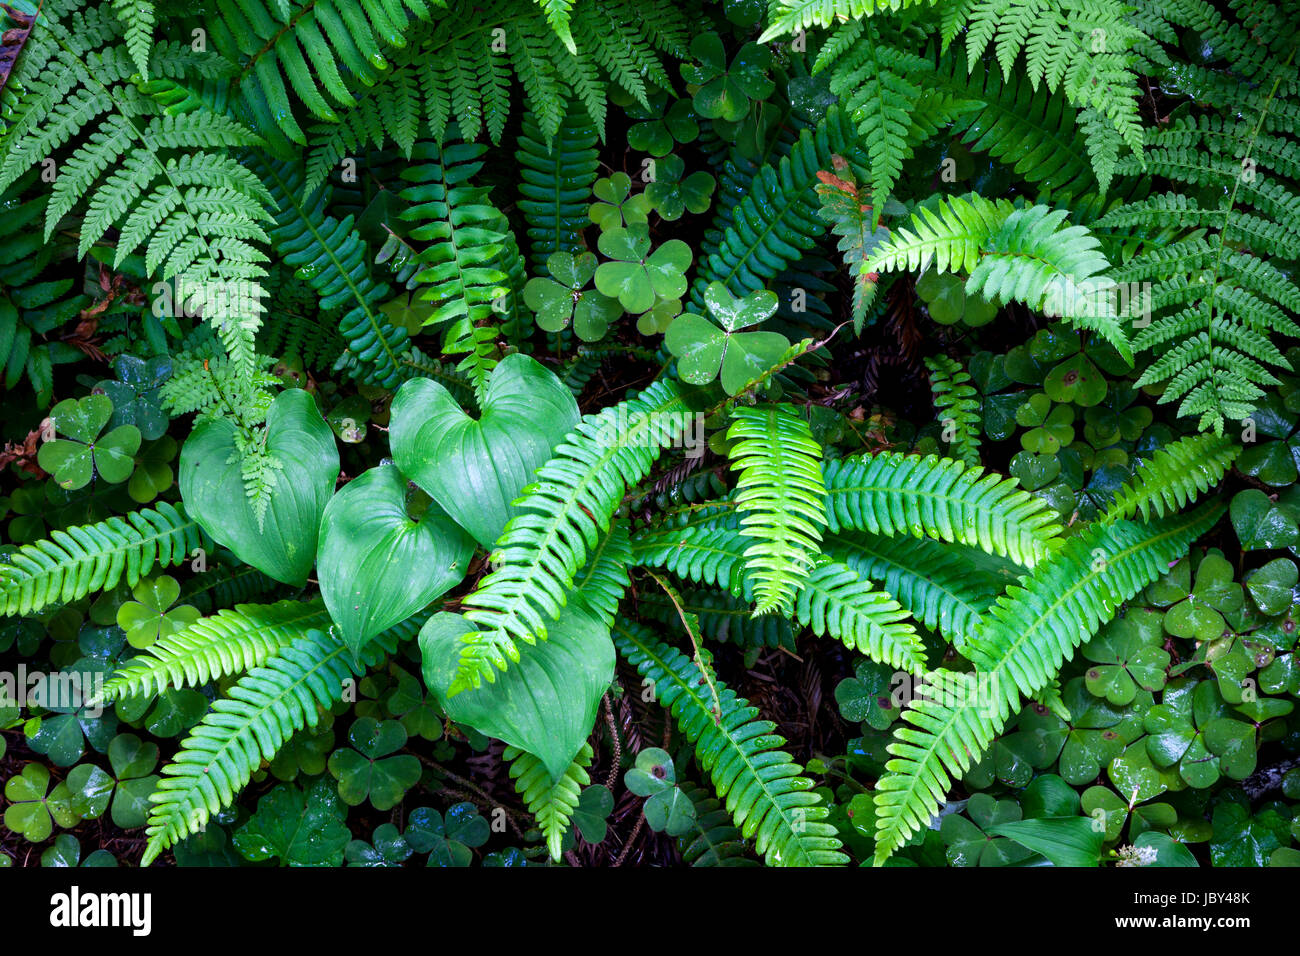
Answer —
(762, 786)
(555, 184)
(551, 802)
(956, 406)
(265, 707)
(714, 841)
(940, 498)
(1173, 477)
(86, 558)
(1026, 637)
(834, 600)
(575, 496)
(780, 494)
(940, 586)
(229, 642)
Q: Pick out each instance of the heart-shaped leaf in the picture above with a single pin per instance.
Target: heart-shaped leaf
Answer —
(475, 469)
(213, 487)
(377, 566)
(544, 704)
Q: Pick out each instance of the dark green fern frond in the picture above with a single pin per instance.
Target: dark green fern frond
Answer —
(763, 788)
(555, 183)
(714, 839)
(781, 495)
(603, 579)
(330, 255)
(87, 558)
(939, 584)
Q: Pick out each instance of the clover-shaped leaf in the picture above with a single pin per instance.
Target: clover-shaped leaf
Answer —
(636, 276)
(67, 852)
(660, 129)
(557, 301)
(968, 841)
(1245, 839)
(73, 722)
(703, 349)
(297, 827)
(616, 206)
(167, 714)
(672, 195)
(387, 848)
(595, 804)
(667, 809)
(135, 393)
(1127, 654)
(948, 302)
(33, 807)
(868, 697)
(449, 840)
(417, 710)
(306, 752)
(368, 772)
(725, 92)
(148, 618)
(81, 453)
(1262, 523)
(1273, 586)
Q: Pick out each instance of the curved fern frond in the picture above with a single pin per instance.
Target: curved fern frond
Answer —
(940, 498)
(714, 840)
(264, 709)
(555, 184)
(87, 558)
(564, 512)
(957, 407)
(763, 788)
(1173, 476)
(551, 802)
(781, 496)
(229, 642)
(834, 600)
(1026, 637)
(942, 589)
(1024, 254)
(603, 580)
(703, 554)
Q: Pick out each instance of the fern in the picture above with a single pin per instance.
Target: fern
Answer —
(264, 708)
(1175, 475)
(715, 840)
(330, 255)
(462, 264)
(87, 558)
(940, 498)
(957, 407)
(551, 802)
(835, 601)
(780, 494)
(938, 584)
(227, 643)
(1025, 638)
(1011, 253)
(574, 497)
(555, 184)
(764, 791)
(1215, 301)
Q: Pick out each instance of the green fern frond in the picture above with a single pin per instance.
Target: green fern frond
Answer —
(265, 707)
(551, 802)
(574, 497)
(790, 16)
(603, 580)
(1026, 637)
(714, 840)
(229, 642)
(1025, 254)
(780, 494)
(1175, 475)
(940, 586)
(835, 601)
(957, 407)
(940, 498)
(330, 255)
(555, 184)
(86, 558)
(764, 790)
